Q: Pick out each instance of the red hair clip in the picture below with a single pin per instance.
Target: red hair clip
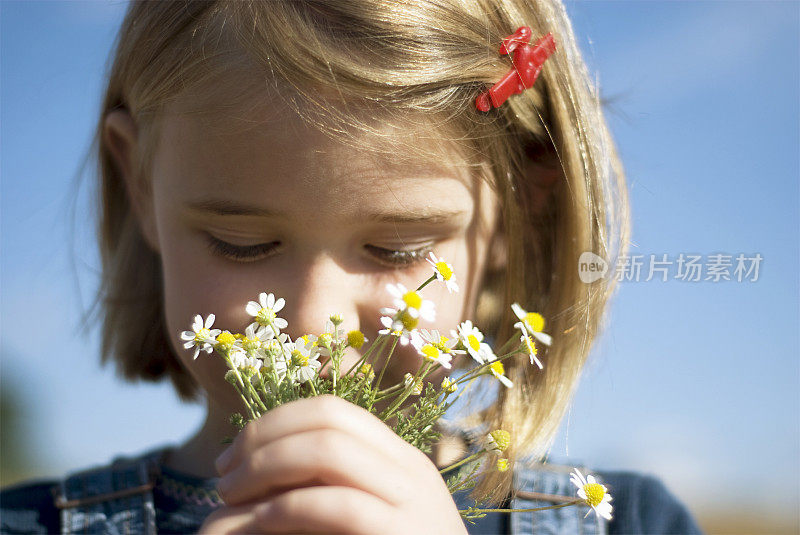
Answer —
(527, 60)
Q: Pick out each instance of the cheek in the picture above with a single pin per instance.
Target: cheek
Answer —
(195, 282)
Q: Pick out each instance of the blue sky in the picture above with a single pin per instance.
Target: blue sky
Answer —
(695, 382)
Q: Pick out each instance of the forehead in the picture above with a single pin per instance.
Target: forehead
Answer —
(272, 149)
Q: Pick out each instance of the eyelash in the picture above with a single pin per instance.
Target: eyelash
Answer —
(251, 253)
(241, 253)
(396, 258)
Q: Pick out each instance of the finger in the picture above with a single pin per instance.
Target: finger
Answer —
(327, 510)
(320, 456)
(230, 520)
(318, 412)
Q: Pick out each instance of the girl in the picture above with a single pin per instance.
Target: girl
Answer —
(320, 150)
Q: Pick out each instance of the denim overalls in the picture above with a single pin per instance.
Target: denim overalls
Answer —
(118, 499)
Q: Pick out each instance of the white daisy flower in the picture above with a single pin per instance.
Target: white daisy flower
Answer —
(532, 351)
(265, 311)
(254, 338)
(249, 367)
(472, 339)
(497, 369)
(433, 346)
(304, 359)
(238, 357)
(595, 494)
(531, 323)
(443, 272)
(430, 351)
(412, 302)
(202, 336)
(397, 327)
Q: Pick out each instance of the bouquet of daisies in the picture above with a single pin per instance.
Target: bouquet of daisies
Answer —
(268, 369)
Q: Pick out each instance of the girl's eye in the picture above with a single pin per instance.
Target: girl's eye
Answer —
(241, 253)
(397, 258)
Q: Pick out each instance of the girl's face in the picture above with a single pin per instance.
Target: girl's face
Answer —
(282, 208)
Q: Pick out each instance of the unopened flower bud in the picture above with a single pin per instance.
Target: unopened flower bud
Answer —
(448, 385)
(237, 420)
(502, 464)
(230, 376)
(498, 440)
(417, 389)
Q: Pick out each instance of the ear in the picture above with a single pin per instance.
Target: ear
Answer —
(120, 135)
(542, 173)
(498, 254)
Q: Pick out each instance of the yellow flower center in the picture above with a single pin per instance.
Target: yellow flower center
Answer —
(409, 322)
(265, 316)
(412, 299)
(324, 339)
(594, 493)
(430, 352)
(473, 342)
(532, 346)
(497, 368)
(444, 270)
(355, 339)
(225, 341)
(202, 334)
(366, 369)
(298, 359)
(441, 344)
(535, 321)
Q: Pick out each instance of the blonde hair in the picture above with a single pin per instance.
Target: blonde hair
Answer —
(399, 58)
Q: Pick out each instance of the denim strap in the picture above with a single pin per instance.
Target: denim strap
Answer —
(543, 485)
(115, 499)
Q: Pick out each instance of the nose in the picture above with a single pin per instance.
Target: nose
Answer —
(315, 287)
(314, 290)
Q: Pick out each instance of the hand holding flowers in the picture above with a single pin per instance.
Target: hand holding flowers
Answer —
(324, 465)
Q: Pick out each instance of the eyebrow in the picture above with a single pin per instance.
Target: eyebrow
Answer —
(227, 208)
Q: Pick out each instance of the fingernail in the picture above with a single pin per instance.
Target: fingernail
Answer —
(222, 464)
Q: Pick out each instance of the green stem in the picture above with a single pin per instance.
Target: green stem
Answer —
(531, 510)
(483, 369)
(427, 282)
(462, 461)
(383, 369)
(421, 373)
(507, 344)
(383, 338)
